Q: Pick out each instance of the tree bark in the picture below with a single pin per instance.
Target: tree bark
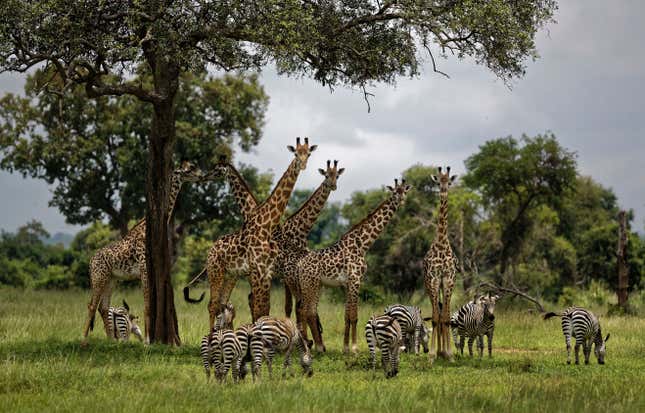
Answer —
(164, 328)
(621, 255)
(467, 279)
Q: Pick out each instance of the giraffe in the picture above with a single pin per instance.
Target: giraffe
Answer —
(126, 258)
(342, 264)
(290, 237)
(250, 251)
(439, 268)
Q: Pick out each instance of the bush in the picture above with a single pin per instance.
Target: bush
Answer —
(55, 277)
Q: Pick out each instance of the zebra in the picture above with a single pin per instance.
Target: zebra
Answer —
(278, 334)
(475, 319)
(412, 325)
(222, 351)
(122, 323)
(245, 334)
(584, 325)
(385, 332)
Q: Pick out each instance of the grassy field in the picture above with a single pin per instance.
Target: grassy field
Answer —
(43, 367)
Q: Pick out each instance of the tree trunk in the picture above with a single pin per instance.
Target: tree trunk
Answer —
(621, 255)
(466, 278)
(163, 322)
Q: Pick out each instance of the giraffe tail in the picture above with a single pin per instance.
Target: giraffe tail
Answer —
(320, 327)
(187, 289)
(92, 322)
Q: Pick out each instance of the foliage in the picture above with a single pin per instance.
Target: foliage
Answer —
(94, 150)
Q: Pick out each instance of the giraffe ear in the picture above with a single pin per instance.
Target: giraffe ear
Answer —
(607, 338)
(322, 171)
(453, 178)
(340, 171)
(291, 148)
(427, 318)
(313, 148)
(389, 188)
(125, 305)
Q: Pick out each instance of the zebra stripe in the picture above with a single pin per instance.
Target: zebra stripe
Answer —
(222, 351)
(122, 323)
(474, 320)
(384, 332)
(271, 335)
(413, 326)
(584, 325)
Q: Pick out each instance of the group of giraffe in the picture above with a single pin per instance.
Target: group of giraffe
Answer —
(264, 248)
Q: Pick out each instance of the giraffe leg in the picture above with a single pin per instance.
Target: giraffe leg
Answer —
(448, 286)
(104, 307)
(261, 287)
(99, 277)
(432, 289)
(310, 312)
(288, 301)
(351, 311)
(216, 281)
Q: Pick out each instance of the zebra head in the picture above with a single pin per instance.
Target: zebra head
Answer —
(600, 348)
(225, 318)
(489, 305)
(134, 327)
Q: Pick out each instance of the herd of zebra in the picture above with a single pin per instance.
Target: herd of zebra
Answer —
(399, 328)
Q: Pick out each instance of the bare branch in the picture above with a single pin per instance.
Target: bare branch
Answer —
(513, 291)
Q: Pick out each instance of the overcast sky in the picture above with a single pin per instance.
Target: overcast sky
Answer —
(588, 88)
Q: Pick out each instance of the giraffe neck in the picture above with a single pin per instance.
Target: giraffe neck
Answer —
(298, 226)
(175, 187)
(268, 214)
(442, 218)
(368, 230)
(243, 196)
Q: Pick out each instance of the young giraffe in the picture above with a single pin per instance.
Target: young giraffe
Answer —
(439, 268)
(126, 258)
(250, 251)
(342, 264)
(291, 236)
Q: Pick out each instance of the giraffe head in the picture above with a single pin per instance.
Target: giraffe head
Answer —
(399, 191)
(189, 172)
(331, 174)
(444, 180)
(219, 171)
(302, 152)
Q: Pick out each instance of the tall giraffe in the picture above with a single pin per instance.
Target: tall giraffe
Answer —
(290, 237)
(439, 267)
(126, 258)
(342, 265)
(250, 251)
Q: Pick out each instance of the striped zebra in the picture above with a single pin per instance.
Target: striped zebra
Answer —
(222, 351)
(413, 326)
(384, 332)
(584, 325)
(122, 323)
(245, 334)
(278, 334)
(475, 320)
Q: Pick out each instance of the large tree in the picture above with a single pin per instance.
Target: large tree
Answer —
(94, 150)
(99, 45)
(515, 178)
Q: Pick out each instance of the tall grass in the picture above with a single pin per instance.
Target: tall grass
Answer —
(43, 367)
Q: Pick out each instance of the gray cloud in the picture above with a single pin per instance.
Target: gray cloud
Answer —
(588, 87)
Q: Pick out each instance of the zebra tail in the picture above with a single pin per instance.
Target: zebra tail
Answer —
(549, 315)
(187, 289)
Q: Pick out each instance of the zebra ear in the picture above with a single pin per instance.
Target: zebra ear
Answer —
(125, 305)
(607, 338)
(427, 318)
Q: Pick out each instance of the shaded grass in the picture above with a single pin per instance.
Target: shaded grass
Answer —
(42, 366)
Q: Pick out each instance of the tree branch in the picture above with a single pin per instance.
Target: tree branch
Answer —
(513, 291)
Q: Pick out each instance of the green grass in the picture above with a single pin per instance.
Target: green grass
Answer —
(44, 368)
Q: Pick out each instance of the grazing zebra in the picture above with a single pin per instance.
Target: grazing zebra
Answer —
(412, 325)
(122, 323)
(225, 318)
(384, 332)
(222, 351)
(278, 334)
(584, 325)
(475, 319)
(245, 334)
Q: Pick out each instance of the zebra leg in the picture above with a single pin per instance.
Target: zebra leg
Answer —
(287, 360)
(369, 337)
(417, 333)
(226, 366)
(567, 340)
(235, 368)
(394, 360)
(577, 350)
(587, 350)
(385, 359)
(490, 343)
(269, 356)
(470, 345)
(480, 345)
